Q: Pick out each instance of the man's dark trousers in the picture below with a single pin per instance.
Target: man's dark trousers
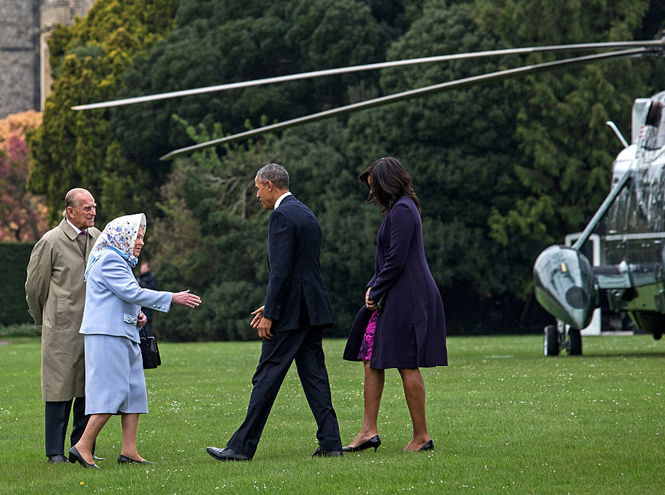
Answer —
(305, 347)
(57, 419)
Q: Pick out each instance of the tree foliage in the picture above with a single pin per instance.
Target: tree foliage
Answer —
(459, 147)
(218, 42)
(75, 149)
(214, 232)
(566, 151)
(502, 169)
(22, 214)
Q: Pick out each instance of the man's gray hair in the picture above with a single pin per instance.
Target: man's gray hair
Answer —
(73, 198)
(275, 174)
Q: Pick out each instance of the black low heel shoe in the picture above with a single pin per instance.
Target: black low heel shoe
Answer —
(428, 446)
(375, 442)
(123, 459)
(75, 456)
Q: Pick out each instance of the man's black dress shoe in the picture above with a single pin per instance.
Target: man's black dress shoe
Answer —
(55, 459)
(428, 446)
(75, 456)
(327, 453)
(375, 442)
(226, 454)
(123, 459)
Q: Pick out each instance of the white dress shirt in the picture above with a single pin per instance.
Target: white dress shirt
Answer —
(78, 231)
(281, 198)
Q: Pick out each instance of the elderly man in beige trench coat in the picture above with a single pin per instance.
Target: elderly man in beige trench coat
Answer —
(55, 292)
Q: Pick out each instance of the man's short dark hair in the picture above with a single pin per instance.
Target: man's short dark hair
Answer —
(274, 173)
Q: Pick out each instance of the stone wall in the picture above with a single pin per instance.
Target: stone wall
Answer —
(25, 25)
(19, 56)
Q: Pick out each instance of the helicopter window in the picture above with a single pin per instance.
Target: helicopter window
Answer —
(654, 127)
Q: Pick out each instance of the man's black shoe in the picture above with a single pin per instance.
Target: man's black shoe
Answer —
(55, 459)
(327, 453)
(226, 454)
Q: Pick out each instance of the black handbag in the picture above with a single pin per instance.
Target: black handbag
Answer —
(382, 299)
(149, 350)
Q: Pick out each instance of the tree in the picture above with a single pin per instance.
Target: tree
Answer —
(209, 239)
(228, 41)
(22, 215)
(213, 234)
(501, 169)
(459, 148)
(75, 149)
(566, 148)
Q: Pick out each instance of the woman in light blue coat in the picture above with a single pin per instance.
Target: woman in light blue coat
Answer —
(114, 379)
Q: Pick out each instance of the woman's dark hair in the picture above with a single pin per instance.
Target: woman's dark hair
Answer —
(390, 181)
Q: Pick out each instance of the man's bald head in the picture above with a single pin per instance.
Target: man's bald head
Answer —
(80, 208)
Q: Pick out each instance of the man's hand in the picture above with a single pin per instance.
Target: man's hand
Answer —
(264, 328)
(262, 324)
(142, 320)
(258, 314)
(371, 305)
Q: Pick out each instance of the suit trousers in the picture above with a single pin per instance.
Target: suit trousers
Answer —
(305, 347)
(57, 419)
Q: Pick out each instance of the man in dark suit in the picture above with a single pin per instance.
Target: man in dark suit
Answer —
(291, 322)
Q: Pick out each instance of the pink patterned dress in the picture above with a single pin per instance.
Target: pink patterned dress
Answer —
(365, 353)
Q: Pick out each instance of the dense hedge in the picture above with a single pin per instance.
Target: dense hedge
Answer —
(14, 259)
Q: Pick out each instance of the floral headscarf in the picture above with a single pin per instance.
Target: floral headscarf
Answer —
(119, 236)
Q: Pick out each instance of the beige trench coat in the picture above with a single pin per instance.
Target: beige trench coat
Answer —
(55, 292)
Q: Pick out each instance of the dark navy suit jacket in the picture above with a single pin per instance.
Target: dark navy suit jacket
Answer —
(297, 296)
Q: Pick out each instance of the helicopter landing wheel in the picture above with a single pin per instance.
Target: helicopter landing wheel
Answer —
(551, 341)
(657, 335)
(574, 343)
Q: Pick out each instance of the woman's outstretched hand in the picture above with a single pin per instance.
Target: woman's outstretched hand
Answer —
(186, 299)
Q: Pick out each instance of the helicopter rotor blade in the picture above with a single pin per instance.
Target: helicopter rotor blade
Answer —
(414, 93)
(382, 65)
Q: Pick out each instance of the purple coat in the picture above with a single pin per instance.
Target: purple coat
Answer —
(411, 327)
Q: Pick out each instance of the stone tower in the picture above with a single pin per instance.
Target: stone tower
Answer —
(25, 25)
(19, 56)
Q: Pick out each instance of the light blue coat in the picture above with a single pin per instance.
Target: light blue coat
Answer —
(113, 299)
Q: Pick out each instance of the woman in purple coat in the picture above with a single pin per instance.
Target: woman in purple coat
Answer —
(402, 324)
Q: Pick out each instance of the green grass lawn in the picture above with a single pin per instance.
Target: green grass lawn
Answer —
(503, 419)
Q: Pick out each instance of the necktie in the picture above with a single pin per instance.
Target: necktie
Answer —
(81, 240)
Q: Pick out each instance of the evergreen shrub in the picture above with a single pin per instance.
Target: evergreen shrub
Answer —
(14, 259)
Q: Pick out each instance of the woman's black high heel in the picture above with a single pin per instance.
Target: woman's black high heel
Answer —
(428, 446)
(375, 442)
(75, 456)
